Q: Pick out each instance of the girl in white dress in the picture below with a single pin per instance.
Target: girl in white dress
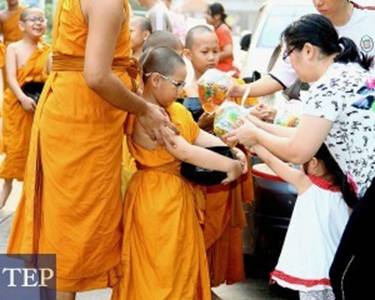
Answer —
(317, 223)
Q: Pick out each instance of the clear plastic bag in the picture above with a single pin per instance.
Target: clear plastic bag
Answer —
(226, 115)
(213, 89)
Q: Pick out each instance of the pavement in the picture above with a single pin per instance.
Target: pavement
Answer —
(251, 289)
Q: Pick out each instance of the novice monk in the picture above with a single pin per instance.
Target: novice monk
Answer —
(26, 61)
(156, 39)
(163, 248)
(225, 218)
(140, 29)
(11, 32)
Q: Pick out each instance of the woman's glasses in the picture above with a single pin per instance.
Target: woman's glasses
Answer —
(287, 53)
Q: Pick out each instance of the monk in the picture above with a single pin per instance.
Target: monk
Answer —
(71, 203)
(224, 215)
(26, 61)
(9, 22)
(10, 32)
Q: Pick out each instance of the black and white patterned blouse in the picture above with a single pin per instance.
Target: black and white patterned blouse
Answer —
(345, 95)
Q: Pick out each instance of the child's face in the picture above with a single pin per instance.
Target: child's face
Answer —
(204, 54)
(137, 35)
(167, 88)
(35, 24)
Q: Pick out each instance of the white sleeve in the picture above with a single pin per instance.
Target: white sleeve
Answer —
(284, 73)
(320, 101)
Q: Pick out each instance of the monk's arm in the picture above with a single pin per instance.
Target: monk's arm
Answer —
(105, 20)
(11, 70)
(202, 157)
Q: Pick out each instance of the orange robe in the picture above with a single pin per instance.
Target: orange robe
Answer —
(223, 228)
(163, 249)
(10, 28)
(16, 121)
(2, 55)
(11, 33)
(71, 202)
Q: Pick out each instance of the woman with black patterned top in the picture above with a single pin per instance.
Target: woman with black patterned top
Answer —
(339, 110)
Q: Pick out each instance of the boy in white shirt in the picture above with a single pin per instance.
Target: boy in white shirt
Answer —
(349, 21)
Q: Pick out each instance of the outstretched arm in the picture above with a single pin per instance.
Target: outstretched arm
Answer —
(291, 175)
(204, 158)
(261, 87)
(299, 148)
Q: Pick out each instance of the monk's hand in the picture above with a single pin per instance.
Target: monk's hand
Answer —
(245, 134)
(241, 156)
(154, 119)
(234, 172)
(28, 104)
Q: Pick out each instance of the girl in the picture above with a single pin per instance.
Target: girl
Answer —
(163, 249)
(318, 220)
(216, 17)
(339, 111)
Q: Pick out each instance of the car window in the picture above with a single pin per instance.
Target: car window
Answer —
(278, 19)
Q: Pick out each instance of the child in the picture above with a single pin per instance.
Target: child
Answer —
(163, 38)
(140, 29)
(202, 49)
(156, 39)
(317, 223)
(26, 61)
(224, 215)
(163, 248)
(216, 17)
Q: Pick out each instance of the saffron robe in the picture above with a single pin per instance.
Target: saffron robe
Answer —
(71, 202)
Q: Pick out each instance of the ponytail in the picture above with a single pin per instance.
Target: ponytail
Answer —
(319, 31)
(350, 53)
(339, 178)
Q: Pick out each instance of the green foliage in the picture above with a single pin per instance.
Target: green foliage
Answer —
(49, 10)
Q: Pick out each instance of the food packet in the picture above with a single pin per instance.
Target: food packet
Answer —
(288, 114)
(213, 89)
(226, 115)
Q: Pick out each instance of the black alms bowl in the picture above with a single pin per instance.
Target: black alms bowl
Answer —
(204, 176)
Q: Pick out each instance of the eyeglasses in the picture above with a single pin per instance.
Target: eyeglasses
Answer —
(287, 53)
(36, 19)
(177, 84)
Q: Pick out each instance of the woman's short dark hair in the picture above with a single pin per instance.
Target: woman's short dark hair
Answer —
(320, 32)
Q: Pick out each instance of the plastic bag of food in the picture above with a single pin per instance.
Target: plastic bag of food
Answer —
(288, 113)
(226, 116)
(213, 89)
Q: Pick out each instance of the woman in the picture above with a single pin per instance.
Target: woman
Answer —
(71, 202)
(216, 17)
(339, 111)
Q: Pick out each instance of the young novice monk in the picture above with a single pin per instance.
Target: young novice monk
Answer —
(156, 39)
(140, 29)
(163, 248)
(26, 61)
(224, 216)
